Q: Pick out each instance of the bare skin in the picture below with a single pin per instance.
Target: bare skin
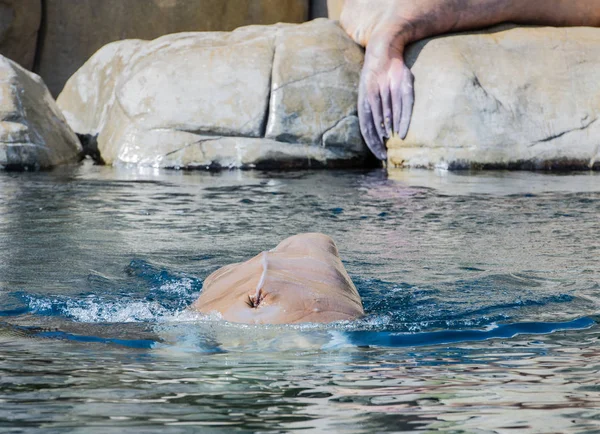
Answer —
(386, 27)
(301, 280)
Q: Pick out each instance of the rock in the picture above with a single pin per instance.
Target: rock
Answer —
(506, 98)
(261, 96)
(74, 30)
(316, 69)
(334, 9)
(19, 25)
(33, 131)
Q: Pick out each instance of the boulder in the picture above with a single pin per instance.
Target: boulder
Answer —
(19, 25)
(506, 98)
(75, 29)
(334, 9)
(261, 96)
(33, 131)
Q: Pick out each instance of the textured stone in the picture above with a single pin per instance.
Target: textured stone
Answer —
(315, 74)
(76, 29)
(19, 25)
(33, 131)
(334, 9)
(266, 96)
(509, 97)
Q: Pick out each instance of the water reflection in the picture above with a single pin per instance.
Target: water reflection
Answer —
(22, 214)
(547, 384)
(98, 265)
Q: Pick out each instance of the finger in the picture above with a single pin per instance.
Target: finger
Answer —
(386, 107)
(396, 106)
(396, 76)
(367, 127)
(408, 101)
(374, 100)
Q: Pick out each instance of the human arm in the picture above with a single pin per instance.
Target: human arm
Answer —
(385, 27)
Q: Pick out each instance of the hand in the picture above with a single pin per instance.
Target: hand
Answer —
(385, 97)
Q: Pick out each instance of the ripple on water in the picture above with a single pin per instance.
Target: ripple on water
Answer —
(481, 293)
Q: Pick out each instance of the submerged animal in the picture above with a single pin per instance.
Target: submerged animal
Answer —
(300, 280)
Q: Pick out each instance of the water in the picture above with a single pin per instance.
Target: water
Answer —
(481, 293)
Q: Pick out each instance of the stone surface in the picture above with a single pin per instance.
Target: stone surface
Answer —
(510, 97)
(19, 25)
(313, 88)
(334, 9)
(261, 96)
(75, 30)
(33, 131)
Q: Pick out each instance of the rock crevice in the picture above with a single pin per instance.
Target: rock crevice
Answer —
(564, 133)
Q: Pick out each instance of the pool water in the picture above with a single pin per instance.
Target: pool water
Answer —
(482, 294)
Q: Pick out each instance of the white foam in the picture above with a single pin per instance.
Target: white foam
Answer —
(180, 287)
(94, 311)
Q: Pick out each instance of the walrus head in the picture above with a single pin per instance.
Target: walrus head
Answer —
(301, 280)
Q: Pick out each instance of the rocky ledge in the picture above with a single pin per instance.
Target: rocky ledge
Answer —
(261, 96)
(516, 98)
(284, 96)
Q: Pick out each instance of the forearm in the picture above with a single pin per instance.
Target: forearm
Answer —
(401, 22)
(416, 20)
(556, 12)
(433, 17)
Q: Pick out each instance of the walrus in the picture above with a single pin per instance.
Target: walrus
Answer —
(301, 280)
(386, 27)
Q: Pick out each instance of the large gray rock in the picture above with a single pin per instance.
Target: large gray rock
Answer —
(507, 98)
(33, 131)
(271, 96)
(19, 25)
(75, 29)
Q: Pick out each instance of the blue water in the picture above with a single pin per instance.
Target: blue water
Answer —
(470, 281)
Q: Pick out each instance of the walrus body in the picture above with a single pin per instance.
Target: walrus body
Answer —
(301, 280)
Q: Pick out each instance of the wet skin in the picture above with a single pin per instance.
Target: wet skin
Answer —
(386, 27)
(301, 280)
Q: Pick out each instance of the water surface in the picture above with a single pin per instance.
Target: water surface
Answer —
(481, 292)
